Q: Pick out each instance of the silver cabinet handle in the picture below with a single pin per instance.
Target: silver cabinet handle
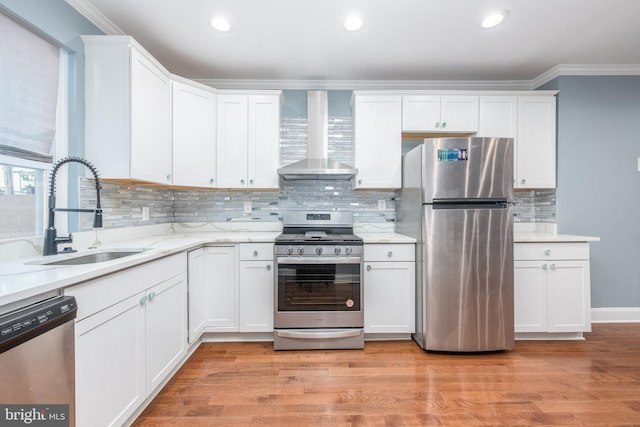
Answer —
(389, 254)
(552, 266)
(547, 252)
(523, 181)
(255, 253)
(437, 125)
(152, 295)
(359, 181)
(368, 268)
(268, 267)
(242, 181)
(544, 266)
(211, 181)
(143, 300)
(251, 181)
(444, 125)
(168, 177)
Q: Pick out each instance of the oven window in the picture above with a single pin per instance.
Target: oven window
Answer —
(319, 287)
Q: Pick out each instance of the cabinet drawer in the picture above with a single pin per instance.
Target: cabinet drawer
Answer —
(543, 251)
(256, 251)
(389, 252)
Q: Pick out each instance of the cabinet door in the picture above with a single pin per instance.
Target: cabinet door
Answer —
(110, 355)
(420, 113)
(378, 141)
(232, 137)
(498, 116)
(150, 120)
(256, 296)
(263, 141)
(530, 297)
(221, 289)
(459, 113)
(389, 297)
(569, 298)
(194, 135)
(166, 328)
(536, 144)
(196, 291)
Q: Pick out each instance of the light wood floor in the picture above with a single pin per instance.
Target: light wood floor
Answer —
(589, 383)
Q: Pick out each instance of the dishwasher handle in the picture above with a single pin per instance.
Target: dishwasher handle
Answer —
(23, 324)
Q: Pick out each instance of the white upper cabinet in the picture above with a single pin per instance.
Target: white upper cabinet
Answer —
(127, 111)
(498, 116)
(432, 113)
(194, 134)
(536, 142)
(377, 141)
(248, 139)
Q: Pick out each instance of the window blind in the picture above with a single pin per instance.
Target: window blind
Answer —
(29, 68)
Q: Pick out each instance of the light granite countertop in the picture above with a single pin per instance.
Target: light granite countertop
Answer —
(23, 278)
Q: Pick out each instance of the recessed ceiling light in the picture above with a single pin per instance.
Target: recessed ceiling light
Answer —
(220, 24)
(494, 19)
(353, 23)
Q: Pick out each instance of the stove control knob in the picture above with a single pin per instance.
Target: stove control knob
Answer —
(348, 250)
(319, 250)
(300, 250)
(337, 250)
(289, 250)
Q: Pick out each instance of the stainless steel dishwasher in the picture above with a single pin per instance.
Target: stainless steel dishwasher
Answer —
(37, 361)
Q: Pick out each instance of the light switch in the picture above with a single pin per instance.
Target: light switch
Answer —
(247, 207)
(382, 205)
(145, 213)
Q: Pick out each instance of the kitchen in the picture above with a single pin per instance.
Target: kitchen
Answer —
(612, 288)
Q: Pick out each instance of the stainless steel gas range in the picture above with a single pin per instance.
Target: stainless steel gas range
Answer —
(318, 292)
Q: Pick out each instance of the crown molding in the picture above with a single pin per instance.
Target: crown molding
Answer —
(585, 70)
(366, 84)
(96, 17)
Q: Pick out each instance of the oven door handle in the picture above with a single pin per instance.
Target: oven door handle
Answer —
(320, 334)
(318, 260)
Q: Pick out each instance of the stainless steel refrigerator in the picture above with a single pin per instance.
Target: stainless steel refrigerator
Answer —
(456, 200)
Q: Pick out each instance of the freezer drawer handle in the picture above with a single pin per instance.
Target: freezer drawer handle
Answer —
(319, 335)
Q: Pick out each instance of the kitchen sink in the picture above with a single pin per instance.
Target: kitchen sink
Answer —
(92, 258)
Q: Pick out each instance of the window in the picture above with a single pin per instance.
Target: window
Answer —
(31, 70)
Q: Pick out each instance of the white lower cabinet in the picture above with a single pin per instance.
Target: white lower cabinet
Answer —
(256, 287)
(130, 334)
(389, 288)
(552, 292)
(220, 289)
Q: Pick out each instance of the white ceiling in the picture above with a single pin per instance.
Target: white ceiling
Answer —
(402, 40)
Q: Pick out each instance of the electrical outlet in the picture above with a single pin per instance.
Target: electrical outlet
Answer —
(247, 207)
(145, 213)
(382, 205)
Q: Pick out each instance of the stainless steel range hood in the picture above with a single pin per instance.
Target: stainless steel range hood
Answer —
(317, 165)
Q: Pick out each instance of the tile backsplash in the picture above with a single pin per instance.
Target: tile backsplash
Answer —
(123, 203)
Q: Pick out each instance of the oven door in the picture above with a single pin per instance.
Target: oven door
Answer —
(322, 292)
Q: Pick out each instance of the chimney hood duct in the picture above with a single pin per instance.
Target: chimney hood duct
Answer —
(317, 165)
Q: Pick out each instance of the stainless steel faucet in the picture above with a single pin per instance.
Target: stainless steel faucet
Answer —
(51, 240)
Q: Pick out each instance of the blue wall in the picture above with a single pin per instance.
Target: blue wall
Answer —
(598, 189)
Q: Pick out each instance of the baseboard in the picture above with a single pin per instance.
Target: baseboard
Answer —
(615, 315)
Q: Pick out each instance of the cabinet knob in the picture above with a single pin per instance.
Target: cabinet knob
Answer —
(168, 177)
(544, 266)
(523, 181)
(368, 268)
(152, 295)
(552, 266)
(268, 267)
(359, 181)
(143, 300)
(547, 252)
(389, 254)
(437, 125)
(211, 181)
(251, 181)
(242, 181)
(255, 253)
(444, 125)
